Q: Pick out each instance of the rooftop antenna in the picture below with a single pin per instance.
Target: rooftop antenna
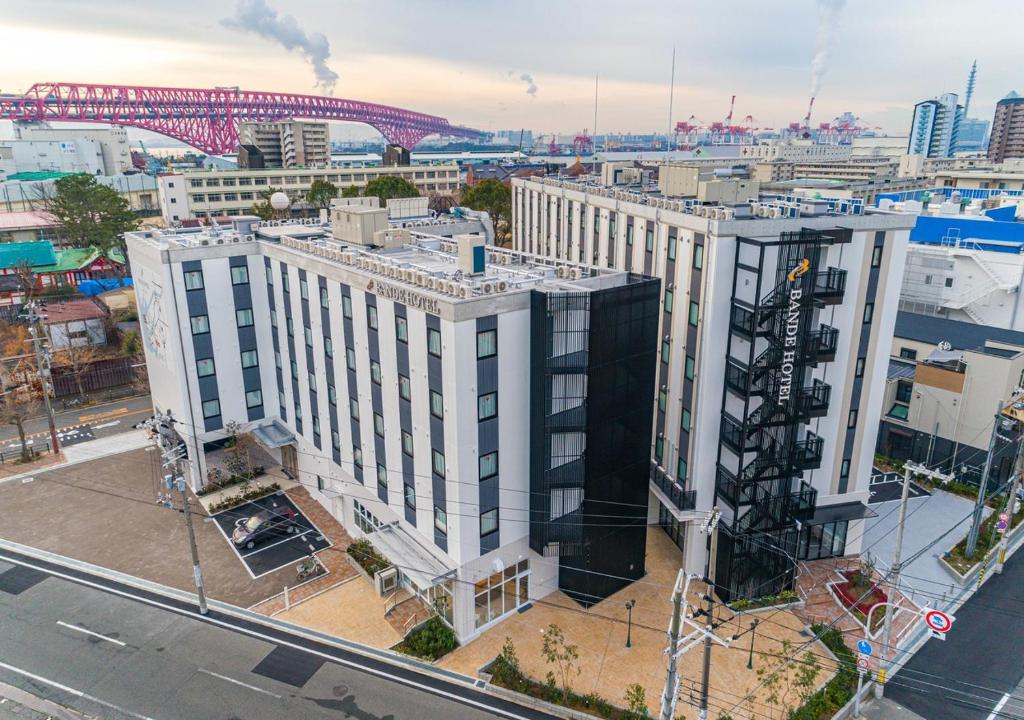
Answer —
(970, 87)
(671, 92)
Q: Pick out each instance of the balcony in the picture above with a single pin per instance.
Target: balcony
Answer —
(813, 401)
(732, 434)
(807, 452)
(801, 503)
(741, 322)
(737, 378)
(822, 344)
(685, 500)
(829, 286)
(731, 490)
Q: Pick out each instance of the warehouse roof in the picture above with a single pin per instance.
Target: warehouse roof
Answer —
(961, 335)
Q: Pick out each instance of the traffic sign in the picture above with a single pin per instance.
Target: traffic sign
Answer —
(1004, 516)
(864, 647)
(863, 662)
(937, 620)
(1001, 526)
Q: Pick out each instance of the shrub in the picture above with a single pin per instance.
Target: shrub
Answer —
(431, 641)
(840, 689)
(636, 700)
(251, 494)
(363, 552)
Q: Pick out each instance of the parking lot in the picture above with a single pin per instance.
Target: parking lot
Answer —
(288, 542)
(889, 486)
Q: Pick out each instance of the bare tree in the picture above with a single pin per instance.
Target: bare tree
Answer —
(77, 361)
(20, 386)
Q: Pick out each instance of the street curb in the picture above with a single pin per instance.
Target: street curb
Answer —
(70, 463)
(51, 709)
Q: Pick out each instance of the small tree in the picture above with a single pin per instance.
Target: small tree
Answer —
(390, 186)
(238, 452)
(352, 191)
(18, 403)
(636, 700)
(563, 655)
(131, 343)
(320, 194)
(782, 684)
(494, 198)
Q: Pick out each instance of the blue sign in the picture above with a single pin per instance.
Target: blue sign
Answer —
(864, 646)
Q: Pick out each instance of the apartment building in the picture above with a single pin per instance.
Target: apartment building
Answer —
(223, 193)
(285, 144)
(945, 378)
(463, 407)
(776, 322)
(935, 127)
(1007, 138)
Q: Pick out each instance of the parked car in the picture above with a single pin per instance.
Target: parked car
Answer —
(264, 524)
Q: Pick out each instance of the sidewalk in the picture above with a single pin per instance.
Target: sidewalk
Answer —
(87, 451)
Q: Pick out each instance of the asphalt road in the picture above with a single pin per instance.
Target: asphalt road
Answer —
(82, 424)
(979, 666)
(110, 651)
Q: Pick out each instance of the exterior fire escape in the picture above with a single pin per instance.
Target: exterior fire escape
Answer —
(769, 398)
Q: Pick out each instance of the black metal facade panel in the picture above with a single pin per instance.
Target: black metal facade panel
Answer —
(539, 500)
(251, 380)
(664, 378)
(630, 241)
(314, 405)
(695, 293)
(435, 382)
(376, 399)
(290, 342)
(488, 430)
(352, 379)
(332, 407)
(278, 371)
(202, 345)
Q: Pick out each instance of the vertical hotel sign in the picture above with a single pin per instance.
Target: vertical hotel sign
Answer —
(790, 332)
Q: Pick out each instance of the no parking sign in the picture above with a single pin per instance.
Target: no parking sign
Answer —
(938, 622)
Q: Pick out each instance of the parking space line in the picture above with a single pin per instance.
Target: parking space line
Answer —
(225, 678)
(71, 690)
(257, 551)
(90, 632)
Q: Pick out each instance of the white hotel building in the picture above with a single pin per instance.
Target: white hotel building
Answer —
(776, 326)
(461, 406)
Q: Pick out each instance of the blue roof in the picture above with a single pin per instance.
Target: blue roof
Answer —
(34, 254)
(983, 233)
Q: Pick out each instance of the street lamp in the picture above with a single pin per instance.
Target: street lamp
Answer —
(629, 622)
(753, 631)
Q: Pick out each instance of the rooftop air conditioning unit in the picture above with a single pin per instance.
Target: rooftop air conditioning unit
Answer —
(574, 273)
(220, 241)
(560, 271)
(452, 288)
(776, 212)
(204, 242)
(487, 288)
(501, 286)
(386, 581)
(463, 291)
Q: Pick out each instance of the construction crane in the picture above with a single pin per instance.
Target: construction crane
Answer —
(583, 144)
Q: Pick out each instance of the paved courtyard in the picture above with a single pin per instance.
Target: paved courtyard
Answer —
(608, 666)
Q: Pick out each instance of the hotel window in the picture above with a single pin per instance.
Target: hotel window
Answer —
(319, 483)
(365, 520)
(290, 325)
(629, 234)
(437, 462)
(689, 368)
(698, 257)
(487, 406)
(488, 522)
(501, 593)
(694, 313)
(200, 324)
(908, 353)
(211, 408)
(684, 423)
(253, 398)
(401, 328)
(194, 280)
(659, 448)
(440, 520)
(681, 471)
(328, 346)
(350, 359)
(378, 424)
(434, 342)
(332, 394)
(375, 372)
(876, 256)
(436, 405)
(410, 496)
(859, 371)
(404, 388)
(303, 289)
(869, 311)
(669, 297)
(239, 275)
(666, 351)
(250, 359)
(371, 316)
(357, 457)
(650, 240)
(270, 274)
(407, 443)
(672, 248)
(311, 379)
(295, 370)
(324, 301)
(346, 306)
(851, 422)
(488, 465)
(205, 367)
(662, 400)
(243, 317)
(486, 344)
(285, 285)
(353, 408)
(382, 476)
(307, 335)
(335, 440)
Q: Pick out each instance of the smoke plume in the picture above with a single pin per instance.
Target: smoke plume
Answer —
(531, 86)
(828, 36)
(255, 16)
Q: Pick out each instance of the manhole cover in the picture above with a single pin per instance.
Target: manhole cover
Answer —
(340, 690)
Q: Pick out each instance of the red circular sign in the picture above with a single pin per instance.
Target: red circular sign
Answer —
(938, 620)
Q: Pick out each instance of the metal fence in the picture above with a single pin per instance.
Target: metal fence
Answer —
(100, 375)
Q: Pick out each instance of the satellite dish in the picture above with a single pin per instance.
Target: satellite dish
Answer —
(944, 345)
(279, 201)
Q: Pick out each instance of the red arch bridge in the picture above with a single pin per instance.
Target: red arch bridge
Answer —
(208, 119)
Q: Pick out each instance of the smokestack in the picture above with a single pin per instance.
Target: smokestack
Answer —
(807, 119)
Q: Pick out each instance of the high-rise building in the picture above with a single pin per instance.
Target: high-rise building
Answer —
(464, 408)
(112, 149)
(776, 321)
(1007, 139)
(973, 131)
(284, 144)
(934, 130)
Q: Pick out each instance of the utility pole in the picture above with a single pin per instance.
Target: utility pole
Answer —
(173, 450)
(1011, 506)
(979, 503)
(710, 526)
(668, 697)
(43, 357)
(909, 469)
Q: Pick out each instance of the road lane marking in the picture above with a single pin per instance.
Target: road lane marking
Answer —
(71, 690)
(90, 632)
(106, 425)
(225, 678)
(468, 683)
(103, 415)
(999, 706)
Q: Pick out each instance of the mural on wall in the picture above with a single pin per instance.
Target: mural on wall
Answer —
(149, 294)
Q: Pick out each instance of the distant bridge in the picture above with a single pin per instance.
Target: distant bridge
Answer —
(208, 119)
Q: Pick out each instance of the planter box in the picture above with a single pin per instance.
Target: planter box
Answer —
(851, 599)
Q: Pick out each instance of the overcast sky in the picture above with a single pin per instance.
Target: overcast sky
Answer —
(466, 59)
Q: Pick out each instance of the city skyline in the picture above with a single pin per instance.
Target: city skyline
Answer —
(533, 67)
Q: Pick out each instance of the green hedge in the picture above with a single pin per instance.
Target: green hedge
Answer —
(363, 552)
(431, 641)
(783, 598)
(233, 500)
(840, 689)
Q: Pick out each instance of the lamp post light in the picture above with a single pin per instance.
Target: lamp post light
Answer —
(629, 622)
(753, 631)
